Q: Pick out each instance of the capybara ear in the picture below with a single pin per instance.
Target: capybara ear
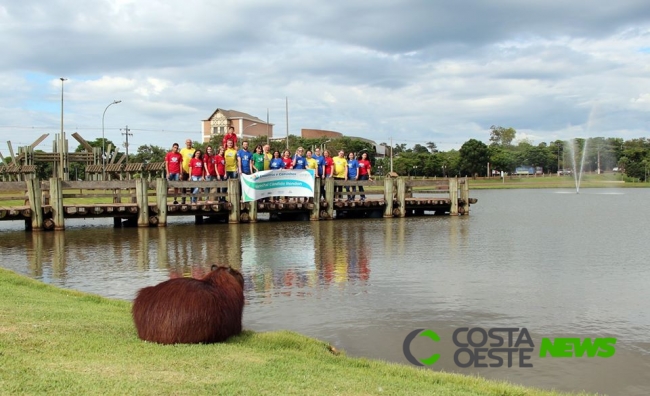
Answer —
(214, 267)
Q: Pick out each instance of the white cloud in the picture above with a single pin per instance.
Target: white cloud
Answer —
(416, 70)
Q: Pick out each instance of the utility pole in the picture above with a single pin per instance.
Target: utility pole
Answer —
(267, 126)
(126, 145)
(63, 171)
(391, 155)
(287, 113)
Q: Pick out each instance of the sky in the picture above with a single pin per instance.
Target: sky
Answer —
(414, 71)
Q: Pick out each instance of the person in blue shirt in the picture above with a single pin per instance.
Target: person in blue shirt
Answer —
(244, 159)
(299, 162)
(321, 170)
(353, 173)
(276, 162)
(321, 162)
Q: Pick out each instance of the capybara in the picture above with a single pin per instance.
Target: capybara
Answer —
(191, 311)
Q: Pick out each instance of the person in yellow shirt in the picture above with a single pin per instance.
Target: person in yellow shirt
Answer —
(188, 153)
(339, 172)
(268, 156)
(312, 163)
(231, 160)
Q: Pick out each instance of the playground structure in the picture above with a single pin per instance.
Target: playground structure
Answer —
(23, 166)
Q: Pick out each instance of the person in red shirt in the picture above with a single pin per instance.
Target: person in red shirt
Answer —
(209, 164)
(210, 171)
(220, 170)
(286, 158)
(329, 163)
(197, 172)
(173, 161)
(230, 136)
(364, 172)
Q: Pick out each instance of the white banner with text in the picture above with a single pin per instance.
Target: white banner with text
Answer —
(274, 183)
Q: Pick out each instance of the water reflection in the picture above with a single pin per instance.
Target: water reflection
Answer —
(558, 264)
(308, 255)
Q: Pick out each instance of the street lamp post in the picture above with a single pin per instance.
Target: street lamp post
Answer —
(62, 144)
(242, 131)
(104, 140)
(323, 145)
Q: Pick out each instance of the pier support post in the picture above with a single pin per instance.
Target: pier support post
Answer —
(161, 201)
(388, 197)
(329, 196)
(56, 200)
(401, 196)
(453, 196)
(234, 199)
(315, 211)
(464, 196)
(252, 212)
(35, 201)
(142, 200)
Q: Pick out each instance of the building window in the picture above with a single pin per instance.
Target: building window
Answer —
(219, 123)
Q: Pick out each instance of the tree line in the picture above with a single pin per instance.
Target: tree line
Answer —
(631, 157)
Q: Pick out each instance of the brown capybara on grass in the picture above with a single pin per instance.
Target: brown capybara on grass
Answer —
(191, 311)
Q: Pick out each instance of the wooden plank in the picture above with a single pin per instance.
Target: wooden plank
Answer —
(39, 140)
(98, 185)
(19, 186)
(114, 155)
(83, 142)
(428, 183)
(11, 151)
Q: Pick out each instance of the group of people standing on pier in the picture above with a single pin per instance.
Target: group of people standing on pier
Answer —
(229, 161)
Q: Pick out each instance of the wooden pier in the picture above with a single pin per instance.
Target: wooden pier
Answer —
(143, 203)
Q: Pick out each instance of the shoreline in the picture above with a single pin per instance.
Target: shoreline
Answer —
(59, 340)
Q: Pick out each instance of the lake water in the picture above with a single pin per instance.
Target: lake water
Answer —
(557, 263)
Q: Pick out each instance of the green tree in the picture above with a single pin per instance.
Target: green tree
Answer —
(501, 158)
(502, 136)
(450, 163)
(149, 153)
(474, 157)
(399, 148)
(420, 149)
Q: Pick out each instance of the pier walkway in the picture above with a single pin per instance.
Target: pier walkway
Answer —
(45, 205)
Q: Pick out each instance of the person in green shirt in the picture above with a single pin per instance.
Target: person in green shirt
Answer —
(258, 159)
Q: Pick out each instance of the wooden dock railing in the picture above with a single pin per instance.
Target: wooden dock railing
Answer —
(46, 204)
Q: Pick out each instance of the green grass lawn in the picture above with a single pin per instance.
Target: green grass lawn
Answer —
(57, 341)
